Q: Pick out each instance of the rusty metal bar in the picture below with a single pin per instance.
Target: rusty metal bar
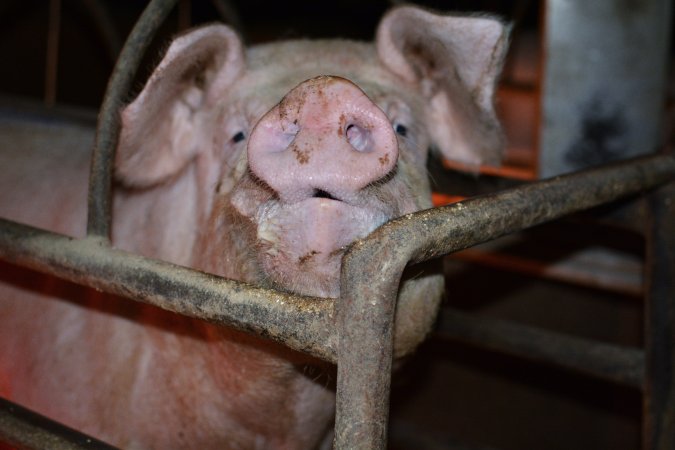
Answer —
(302, 323)
(659, 400)
(107, 132)
(624, 365)
(24, 429)
(372, 270)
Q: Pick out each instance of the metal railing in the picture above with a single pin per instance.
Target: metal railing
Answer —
(356, 330)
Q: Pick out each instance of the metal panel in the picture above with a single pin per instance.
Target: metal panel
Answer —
(604, 81)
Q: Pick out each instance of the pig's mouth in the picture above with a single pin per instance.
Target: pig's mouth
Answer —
(302, 243)
(320, 193)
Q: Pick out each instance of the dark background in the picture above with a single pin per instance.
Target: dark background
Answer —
(85, 58)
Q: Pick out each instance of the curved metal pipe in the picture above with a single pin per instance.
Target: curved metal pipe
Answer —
(107, 130)
(372, 269)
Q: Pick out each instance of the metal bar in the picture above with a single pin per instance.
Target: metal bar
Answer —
(623, 365)
(659, 399)
(24, 429)
(302, 323)
(623, 275)
(370, 277)
(372, 270)
(107, 132)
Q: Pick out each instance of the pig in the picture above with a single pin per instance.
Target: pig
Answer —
(260, 165)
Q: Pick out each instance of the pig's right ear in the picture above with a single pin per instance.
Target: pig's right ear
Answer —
(455, 61)
(163, 128)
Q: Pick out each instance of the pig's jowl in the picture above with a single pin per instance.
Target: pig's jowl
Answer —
(261, 165)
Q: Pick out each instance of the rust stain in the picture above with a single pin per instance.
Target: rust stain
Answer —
(308, 256)
(384, 160)
(343, 121)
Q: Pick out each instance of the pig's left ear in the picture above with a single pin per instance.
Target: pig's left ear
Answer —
(455, 61)
(164, 128)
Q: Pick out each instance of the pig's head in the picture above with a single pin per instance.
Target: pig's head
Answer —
(299, 148)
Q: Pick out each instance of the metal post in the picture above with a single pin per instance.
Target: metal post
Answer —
(659, 399)
(604, 81)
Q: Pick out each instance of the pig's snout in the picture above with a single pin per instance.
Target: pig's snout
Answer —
(326, 138)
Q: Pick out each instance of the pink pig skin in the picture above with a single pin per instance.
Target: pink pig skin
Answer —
(260, 165)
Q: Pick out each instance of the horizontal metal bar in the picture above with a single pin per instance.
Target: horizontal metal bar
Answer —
(302, 323)
(447, 229)
(25, 429)
(625, 365)
(462, 225)
(585, 268)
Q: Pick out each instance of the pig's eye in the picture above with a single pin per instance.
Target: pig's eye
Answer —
(401, 130)
(238, 137)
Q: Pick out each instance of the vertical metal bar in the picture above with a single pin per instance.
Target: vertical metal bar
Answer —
(52, 64)
(604, 81)
(107, 132)
(365, 319)
(659, 398)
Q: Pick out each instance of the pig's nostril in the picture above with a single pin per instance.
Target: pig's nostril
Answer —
(279, 138)
(359, 138)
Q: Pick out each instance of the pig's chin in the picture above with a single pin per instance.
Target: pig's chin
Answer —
(302, 243)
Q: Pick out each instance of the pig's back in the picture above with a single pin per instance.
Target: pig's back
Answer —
(43, 183)
(44, 164)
